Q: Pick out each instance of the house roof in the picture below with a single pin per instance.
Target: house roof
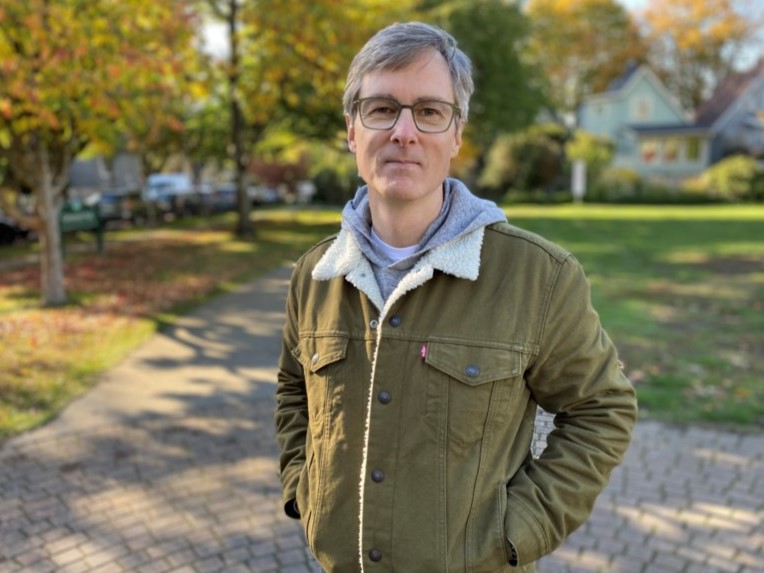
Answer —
(668, 129)
(726, 94)
(621, 88)
(624, 78)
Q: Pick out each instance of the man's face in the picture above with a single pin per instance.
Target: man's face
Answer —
(402, 163)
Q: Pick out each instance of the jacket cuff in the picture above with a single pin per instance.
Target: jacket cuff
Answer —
(291, 509)
(513, 557)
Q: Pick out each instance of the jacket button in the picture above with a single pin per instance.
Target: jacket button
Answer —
(374, 324)
(384, 397)
(395, 321)
(314, 358)
(375, 555)
(472, 370)
(378, 476)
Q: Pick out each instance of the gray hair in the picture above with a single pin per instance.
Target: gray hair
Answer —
(399, 45)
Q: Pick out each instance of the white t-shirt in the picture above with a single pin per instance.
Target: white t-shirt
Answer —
(395, 254)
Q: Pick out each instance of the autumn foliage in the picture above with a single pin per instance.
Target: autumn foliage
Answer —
(75, 73)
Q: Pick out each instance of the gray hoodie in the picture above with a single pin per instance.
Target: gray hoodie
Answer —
(462, 213)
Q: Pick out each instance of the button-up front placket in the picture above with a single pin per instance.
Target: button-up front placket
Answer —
(381, 452)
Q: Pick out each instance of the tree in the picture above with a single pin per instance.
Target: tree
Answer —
(229, 12)
(580, 46)
(524, 161)
(695, 44)
(595, 151)
(493, 33)
(286, 68)
(79, 72)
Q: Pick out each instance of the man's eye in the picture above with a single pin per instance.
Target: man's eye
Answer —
(382, 110)
(430, 112)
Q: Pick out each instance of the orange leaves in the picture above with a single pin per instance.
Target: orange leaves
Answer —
(696, 42)
(581, 45)
(90, 61)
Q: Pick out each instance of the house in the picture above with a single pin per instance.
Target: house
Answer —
(122, 173)
(658, 139)
(735, 115)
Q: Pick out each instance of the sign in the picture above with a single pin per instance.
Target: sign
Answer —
(77, 217)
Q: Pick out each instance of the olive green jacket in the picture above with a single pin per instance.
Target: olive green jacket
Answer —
(405, 425)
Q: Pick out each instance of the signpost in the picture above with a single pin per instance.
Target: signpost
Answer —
(79, 217)
(578, 186)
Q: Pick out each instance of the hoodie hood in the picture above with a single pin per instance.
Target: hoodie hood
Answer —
(461, 213)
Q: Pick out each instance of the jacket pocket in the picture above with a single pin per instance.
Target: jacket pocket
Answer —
(305, 494)
(321, 357)
(463, 383)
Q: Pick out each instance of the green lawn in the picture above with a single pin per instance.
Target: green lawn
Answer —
(679, 289)
(681, 292)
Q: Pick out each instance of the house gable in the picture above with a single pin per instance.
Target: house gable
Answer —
(652, 133)
(735, 114)
(637, 98)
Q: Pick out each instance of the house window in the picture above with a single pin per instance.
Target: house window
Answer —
(649, 150)
(642, 109)
(693, 149)
(671, 150)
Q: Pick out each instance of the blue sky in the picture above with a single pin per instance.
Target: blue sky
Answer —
(632, 5)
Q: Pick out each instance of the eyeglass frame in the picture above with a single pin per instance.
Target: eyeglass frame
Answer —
(454, 108)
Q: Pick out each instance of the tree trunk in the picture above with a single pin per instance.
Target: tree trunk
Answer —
(244, 228)
(52, 257)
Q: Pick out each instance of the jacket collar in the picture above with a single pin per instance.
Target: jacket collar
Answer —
(459, 258)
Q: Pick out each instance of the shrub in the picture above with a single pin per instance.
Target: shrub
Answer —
(615, 184)
(737, 177)
(334, 173)
(334, 187)
(530, 160)
(595, 151)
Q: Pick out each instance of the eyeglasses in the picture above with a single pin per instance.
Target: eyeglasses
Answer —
(430, 116)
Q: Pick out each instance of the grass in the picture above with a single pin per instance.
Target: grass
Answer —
(679, 289)
(145, 279)
(681, 292)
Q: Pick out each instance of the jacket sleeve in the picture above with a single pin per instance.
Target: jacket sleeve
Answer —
(576, 376)
(291, 415)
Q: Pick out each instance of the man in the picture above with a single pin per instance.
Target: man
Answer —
(419, 342)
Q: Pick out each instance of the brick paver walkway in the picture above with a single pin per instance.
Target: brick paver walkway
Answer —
(169, 466)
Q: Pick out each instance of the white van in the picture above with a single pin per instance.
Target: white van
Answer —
(164, 186)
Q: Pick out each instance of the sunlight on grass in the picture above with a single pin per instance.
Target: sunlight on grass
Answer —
(680, 291)
(51, 356)
(240, 247)
(635, 212)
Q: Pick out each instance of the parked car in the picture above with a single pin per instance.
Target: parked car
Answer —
(218, 200)
(122, 206)
(172, 193)
(10, 231)
(263, 195)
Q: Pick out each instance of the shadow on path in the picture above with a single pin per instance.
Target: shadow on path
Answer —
(170, 466)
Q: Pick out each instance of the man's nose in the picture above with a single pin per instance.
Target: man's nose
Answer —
(405, 130)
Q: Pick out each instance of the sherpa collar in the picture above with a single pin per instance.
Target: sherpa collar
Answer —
(459, 258)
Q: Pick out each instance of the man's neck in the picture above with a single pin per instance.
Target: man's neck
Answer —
(403, 223)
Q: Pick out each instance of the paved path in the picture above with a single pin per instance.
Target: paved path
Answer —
(169, 466)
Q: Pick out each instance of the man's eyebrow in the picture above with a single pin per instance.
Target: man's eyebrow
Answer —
(416, 100)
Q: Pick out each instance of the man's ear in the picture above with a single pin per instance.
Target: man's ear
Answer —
(457, 139)
(351, 132)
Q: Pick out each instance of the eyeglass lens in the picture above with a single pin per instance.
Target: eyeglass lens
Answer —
(430, 116)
